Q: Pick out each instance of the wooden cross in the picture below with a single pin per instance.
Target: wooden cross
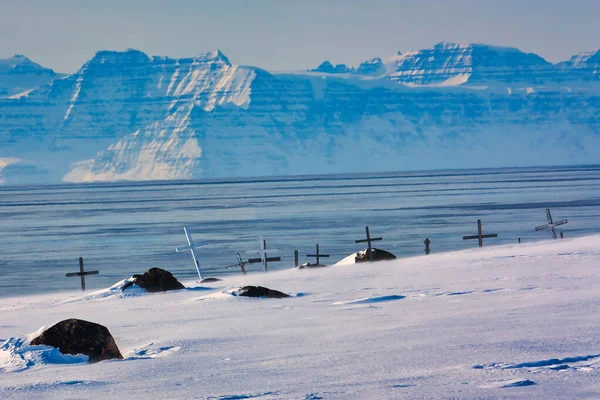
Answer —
(318, 255)
(369, 239)
(264, 258)
(192, 248)
(82, 273)
(240, 264)
(480, 234)
(551, 224)
(427, 243)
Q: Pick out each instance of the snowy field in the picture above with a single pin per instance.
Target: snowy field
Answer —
(508, 322)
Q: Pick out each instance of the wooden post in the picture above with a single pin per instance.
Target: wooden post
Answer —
(480, 234)
(318, 255)
(427, 243)
(551, 224)
(296, 259)
(82, 273)
(369, 239)
(562, 235)
(519, 240)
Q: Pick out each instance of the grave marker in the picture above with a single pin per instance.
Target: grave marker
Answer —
(264, 257)
(318, 255)
(369, 239)
(192, 248)
(296, 258)
(551, 224)
(427, 243)
(82, 273)
(241, 264)
(480, 234)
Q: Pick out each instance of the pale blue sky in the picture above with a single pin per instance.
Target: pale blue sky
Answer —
(288, 35)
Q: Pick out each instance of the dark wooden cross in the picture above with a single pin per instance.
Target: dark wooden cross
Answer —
(480, 234)
(264, 258)
(369, 239)
(82, 273)
(318, 255)
(240, 264)
(427, 243)
(551, 224)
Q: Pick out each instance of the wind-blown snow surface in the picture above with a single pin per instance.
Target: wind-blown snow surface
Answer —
(508, 322)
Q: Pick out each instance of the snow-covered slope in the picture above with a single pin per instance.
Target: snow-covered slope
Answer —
(125, 115)
(510, 322)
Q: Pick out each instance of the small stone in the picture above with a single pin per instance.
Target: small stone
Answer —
(259, 291)
(309, 265)
(208, 280)
(378, 255)
(76, 336)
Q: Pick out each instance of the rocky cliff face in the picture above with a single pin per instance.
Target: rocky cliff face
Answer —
(125, 115)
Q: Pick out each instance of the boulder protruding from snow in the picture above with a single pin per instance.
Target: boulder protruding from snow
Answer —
(210, 280)
(378, 255)
(155, 280)
(76, 336)
(259, 291)
(309, 265)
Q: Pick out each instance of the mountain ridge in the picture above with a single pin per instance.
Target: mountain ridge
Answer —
(125, 115)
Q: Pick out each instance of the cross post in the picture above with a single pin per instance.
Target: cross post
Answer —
(551, 224)
(240, 264)
(82, 273)
(192, 248)
(296, 258)
(318, 255)
(369, 239)
(264, 257)
(480, 234)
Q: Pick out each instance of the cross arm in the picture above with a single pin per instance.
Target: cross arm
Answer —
(82, 273)
(366, 240)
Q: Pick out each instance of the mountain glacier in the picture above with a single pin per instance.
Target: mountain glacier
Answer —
(128, 116)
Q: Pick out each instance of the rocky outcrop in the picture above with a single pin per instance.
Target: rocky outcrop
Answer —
(259, 291)
(378, 255)
(155, 280)
(76, 336)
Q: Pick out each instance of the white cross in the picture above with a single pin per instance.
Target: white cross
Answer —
(192, 248)
(263, 252)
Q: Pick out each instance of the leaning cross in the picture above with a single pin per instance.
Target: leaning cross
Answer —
(192, 248)
(241, 264)
(480, 234)
(318, 255)
(82, 273)
(551, 225)
(264, 258)
(369, 239)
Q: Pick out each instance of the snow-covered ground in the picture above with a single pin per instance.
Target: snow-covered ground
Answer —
(510, 322)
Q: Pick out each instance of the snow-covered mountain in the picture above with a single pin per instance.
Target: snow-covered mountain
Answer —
(125, 115)
(19, 76)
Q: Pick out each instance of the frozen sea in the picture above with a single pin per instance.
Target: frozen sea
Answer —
(125, 228)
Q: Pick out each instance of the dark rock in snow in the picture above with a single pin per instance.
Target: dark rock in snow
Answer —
(309, 265)
(155, 280)
(208, 280)
(378, 255)
(259, 291)
(76, 336)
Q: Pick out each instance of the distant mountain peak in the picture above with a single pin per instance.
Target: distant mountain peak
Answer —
(328, 68)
